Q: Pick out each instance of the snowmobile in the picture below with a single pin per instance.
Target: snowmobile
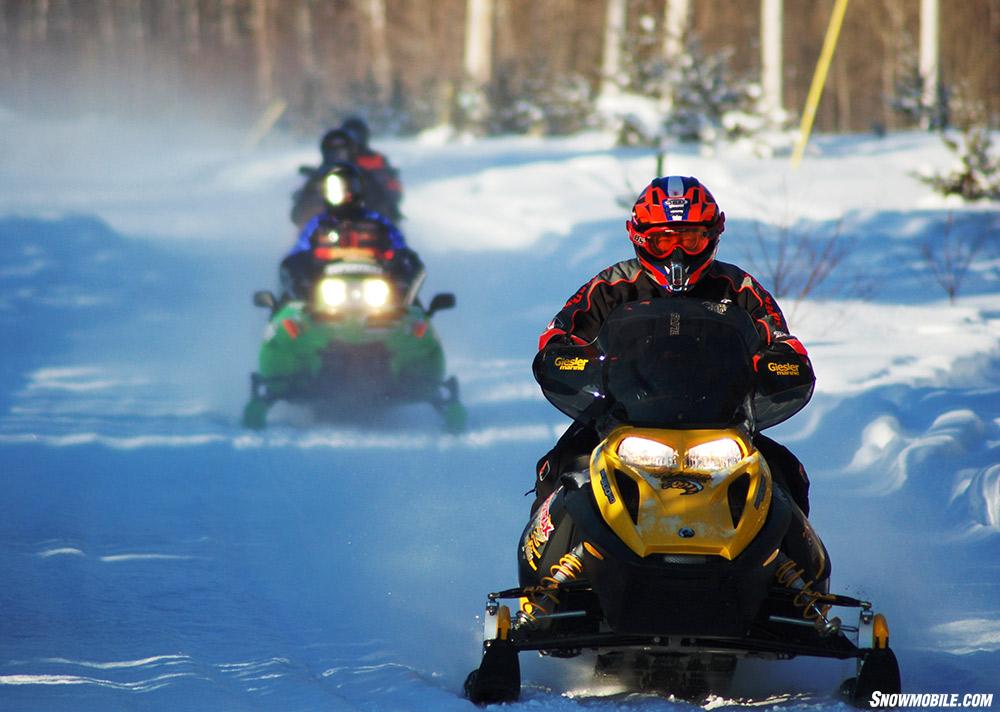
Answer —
(671, 552)
(358, 339)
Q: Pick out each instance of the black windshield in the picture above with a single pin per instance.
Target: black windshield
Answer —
(673, 362)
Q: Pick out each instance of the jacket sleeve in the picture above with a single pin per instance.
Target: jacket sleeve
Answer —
(302, 243)
(580, 319)
(767, 315)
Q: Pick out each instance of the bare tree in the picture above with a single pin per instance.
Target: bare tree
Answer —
(106, 21)
(929, 52)
(614, 35)
(795, 260)
(264, 53)
(676, 22)
(191, 16)
(227, 24)
(477, 64)
(949, 255)
(305, 39)
(381, 65)
(131, 14)
(771, 63)
(479, 41)
(6, 72)
(893, 36)
(40, 24)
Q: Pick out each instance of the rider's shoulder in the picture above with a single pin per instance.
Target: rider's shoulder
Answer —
(739, 277)
(624, 271)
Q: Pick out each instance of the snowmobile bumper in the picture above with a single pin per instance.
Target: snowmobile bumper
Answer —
(498, 677)
(773, 636)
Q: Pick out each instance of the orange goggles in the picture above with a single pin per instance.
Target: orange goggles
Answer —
(661, 242)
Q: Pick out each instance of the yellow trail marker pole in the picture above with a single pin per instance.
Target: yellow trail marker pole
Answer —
(265, 123)
(819, 79)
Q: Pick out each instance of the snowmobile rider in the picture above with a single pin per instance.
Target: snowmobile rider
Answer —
(373, 162)
(674, 228)
(346, 228)
(379, 180)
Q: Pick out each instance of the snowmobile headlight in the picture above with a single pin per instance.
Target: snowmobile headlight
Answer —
(335, 190)
(713, 456)
(646, 454)
(332, 293)
(375, 292)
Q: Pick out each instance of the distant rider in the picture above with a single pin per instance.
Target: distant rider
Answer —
(674, 228)
(373, 162)
(347, 228)
(380, 181)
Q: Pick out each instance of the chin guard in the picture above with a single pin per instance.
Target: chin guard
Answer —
(677, 274)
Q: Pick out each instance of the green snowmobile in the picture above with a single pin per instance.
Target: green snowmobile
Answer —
(358, 339)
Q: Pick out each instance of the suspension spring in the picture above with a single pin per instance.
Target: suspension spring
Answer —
(546, 598)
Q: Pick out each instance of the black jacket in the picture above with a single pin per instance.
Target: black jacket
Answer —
(581, 318)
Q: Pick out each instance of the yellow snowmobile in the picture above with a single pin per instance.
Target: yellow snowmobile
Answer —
(671, 552)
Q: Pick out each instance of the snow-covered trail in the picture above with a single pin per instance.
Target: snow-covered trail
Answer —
(160, 554)
(157, 556)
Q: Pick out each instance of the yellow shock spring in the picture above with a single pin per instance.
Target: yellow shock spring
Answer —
(569, 566)
(809, 601)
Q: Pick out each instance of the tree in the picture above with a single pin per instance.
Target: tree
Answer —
(473, 109)
(614, 34)
(479, 41)
(381, 64)
(771, 64)
(949, 254)
(676, 24)
(264, 53)
(929, 70)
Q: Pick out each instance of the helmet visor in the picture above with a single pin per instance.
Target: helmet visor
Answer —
(660, 242)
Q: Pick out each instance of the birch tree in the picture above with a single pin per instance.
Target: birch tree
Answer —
(614, 35)
(40, 24)
(478, 63)
(6, 71)
(191, 16)
(676, 22)
(381, 66)
(771, 29)
(227, 24)
(929, 70)
(264, 60)
(106, 22)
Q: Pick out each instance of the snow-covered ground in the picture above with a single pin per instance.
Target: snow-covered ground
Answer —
(154, 555)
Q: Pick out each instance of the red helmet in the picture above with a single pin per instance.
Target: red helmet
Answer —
(675, 227)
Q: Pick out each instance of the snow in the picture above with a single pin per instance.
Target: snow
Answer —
(157, 556)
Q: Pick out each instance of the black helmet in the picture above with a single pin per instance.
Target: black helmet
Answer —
(338, 146)
(357, 129)
(341, 186)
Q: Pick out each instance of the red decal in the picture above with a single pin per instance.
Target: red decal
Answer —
(796, 345)
(291, 327)
(545, 526)
(578, 297)
(371, 162)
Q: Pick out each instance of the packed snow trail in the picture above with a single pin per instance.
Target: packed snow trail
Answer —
(157, 556)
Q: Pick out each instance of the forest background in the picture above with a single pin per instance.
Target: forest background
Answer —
(518, 66)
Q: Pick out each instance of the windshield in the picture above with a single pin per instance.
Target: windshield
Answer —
(673, 362)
